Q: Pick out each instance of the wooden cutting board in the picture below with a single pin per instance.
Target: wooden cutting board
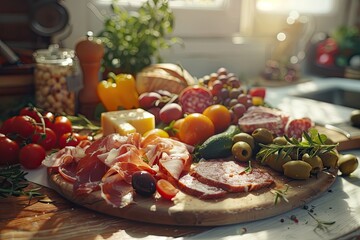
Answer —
(189, 211)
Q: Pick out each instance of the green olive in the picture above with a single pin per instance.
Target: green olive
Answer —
(276, 162)
(280, 141)
(329, 159)
(241, 151)
(355, 118)
(262, 135)
(315, 162)
(245, 137)
(347, 164)
(297, 169)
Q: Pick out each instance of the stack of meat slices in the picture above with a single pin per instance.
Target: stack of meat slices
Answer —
(215, 178)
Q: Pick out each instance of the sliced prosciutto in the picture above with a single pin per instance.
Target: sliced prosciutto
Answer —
(231, 176)
(109, 163)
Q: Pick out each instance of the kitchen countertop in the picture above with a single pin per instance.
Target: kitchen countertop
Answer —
(340, 204)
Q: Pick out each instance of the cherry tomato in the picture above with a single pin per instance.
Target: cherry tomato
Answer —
(24, 126)
(69, 139)
(32, 155)
(157, 131)
(9, 151)
(196, 128)
(61, 125)
(49, 119)
(219, 115)
(47, 140)
(7, 126)
(166, 189)
(175, 128)
(31, 112)
(257, 92)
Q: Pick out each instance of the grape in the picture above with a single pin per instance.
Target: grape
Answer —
(223, 79)
(216, 87)
(222, 71)
(234, 93)
(239, 109)
(224, 93)
(148, 99)
(233, 102)
(242, 98)
(248, 103)
(226, 102)
(234, 82)
(234, 117)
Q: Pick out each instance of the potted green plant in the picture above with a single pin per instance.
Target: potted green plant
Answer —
(133, 39)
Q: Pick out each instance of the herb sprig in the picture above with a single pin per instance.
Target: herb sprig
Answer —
(13, 183)
(280, 194)
(321, 225)
(312, 143)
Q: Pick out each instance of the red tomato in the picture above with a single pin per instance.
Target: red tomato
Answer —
(61, 125)
(69, 139)
(47, 140)
(7, 126)
(9, 151)
(166, 189)
(32, 155)
(257, 92)
(31, 112)
(24, 126)
(49, 119)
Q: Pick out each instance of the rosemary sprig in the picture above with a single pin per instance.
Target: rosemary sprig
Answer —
(312, 143)
(13, 183)
(321, 225)
(80, 122)
(280, 194)
(249, 168)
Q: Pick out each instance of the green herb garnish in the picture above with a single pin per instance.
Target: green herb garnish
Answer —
(312, 143)
(321, 225)
(280, 194)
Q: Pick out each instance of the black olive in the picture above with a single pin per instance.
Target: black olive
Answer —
(143, 183)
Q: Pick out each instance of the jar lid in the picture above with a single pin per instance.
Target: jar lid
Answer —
(54, 55)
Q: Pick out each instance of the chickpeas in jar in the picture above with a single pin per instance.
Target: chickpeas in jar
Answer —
(54, 67)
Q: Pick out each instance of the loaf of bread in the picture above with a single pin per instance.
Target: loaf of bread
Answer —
(163, 76)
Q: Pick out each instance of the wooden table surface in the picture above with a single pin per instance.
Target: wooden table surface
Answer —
(53, 217)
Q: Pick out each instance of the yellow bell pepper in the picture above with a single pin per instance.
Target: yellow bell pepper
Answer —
(118, 92)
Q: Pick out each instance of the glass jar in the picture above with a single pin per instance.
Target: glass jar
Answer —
(54, 69)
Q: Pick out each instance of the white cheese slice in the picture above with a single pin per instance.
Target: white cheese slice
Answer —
(127, 121)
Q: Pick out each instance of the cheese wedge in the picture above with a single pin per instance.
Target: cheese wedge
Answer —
(127, 121)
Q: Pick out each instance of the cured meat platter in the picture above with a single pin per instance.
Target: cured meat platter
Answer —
(186, 210)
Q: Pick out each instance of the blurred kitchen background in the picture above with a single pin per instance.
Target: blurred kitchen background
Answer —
(277, 40)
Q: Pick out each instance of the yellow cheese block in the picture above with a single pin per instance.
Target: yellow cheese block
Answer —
(127, 121)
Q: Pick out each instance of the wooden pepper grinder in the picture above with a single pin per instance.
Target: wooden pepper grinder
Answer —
(89, 51)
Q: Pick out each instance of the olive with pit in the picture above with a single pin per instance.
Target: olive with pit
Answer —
(245, 137)
(241, 151)
(329, 159)
(347, 164)
(144, 183)
(276, 161)
(297, 169)
(315, 162)
(262, 135)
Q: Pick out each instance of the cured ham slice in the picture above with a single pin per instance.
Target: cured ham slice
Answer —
(231, 176)
(194, 187)
(109, 163)
(263, 117)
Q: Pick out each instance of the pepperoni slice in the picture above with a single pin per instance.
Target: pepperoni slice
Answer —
(295, 127)
(194, 99)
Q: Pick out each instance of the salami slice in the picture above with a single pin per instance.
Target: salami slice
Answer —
(195, 99)
(231, 176)
(295, 127)
(192, 186)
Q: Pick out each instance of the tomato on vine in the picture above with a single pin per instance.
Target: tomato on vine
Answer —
(61, 125)
(46, 139)
(24, 126)
(32, 155)
(70, 139)
(9, 151)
